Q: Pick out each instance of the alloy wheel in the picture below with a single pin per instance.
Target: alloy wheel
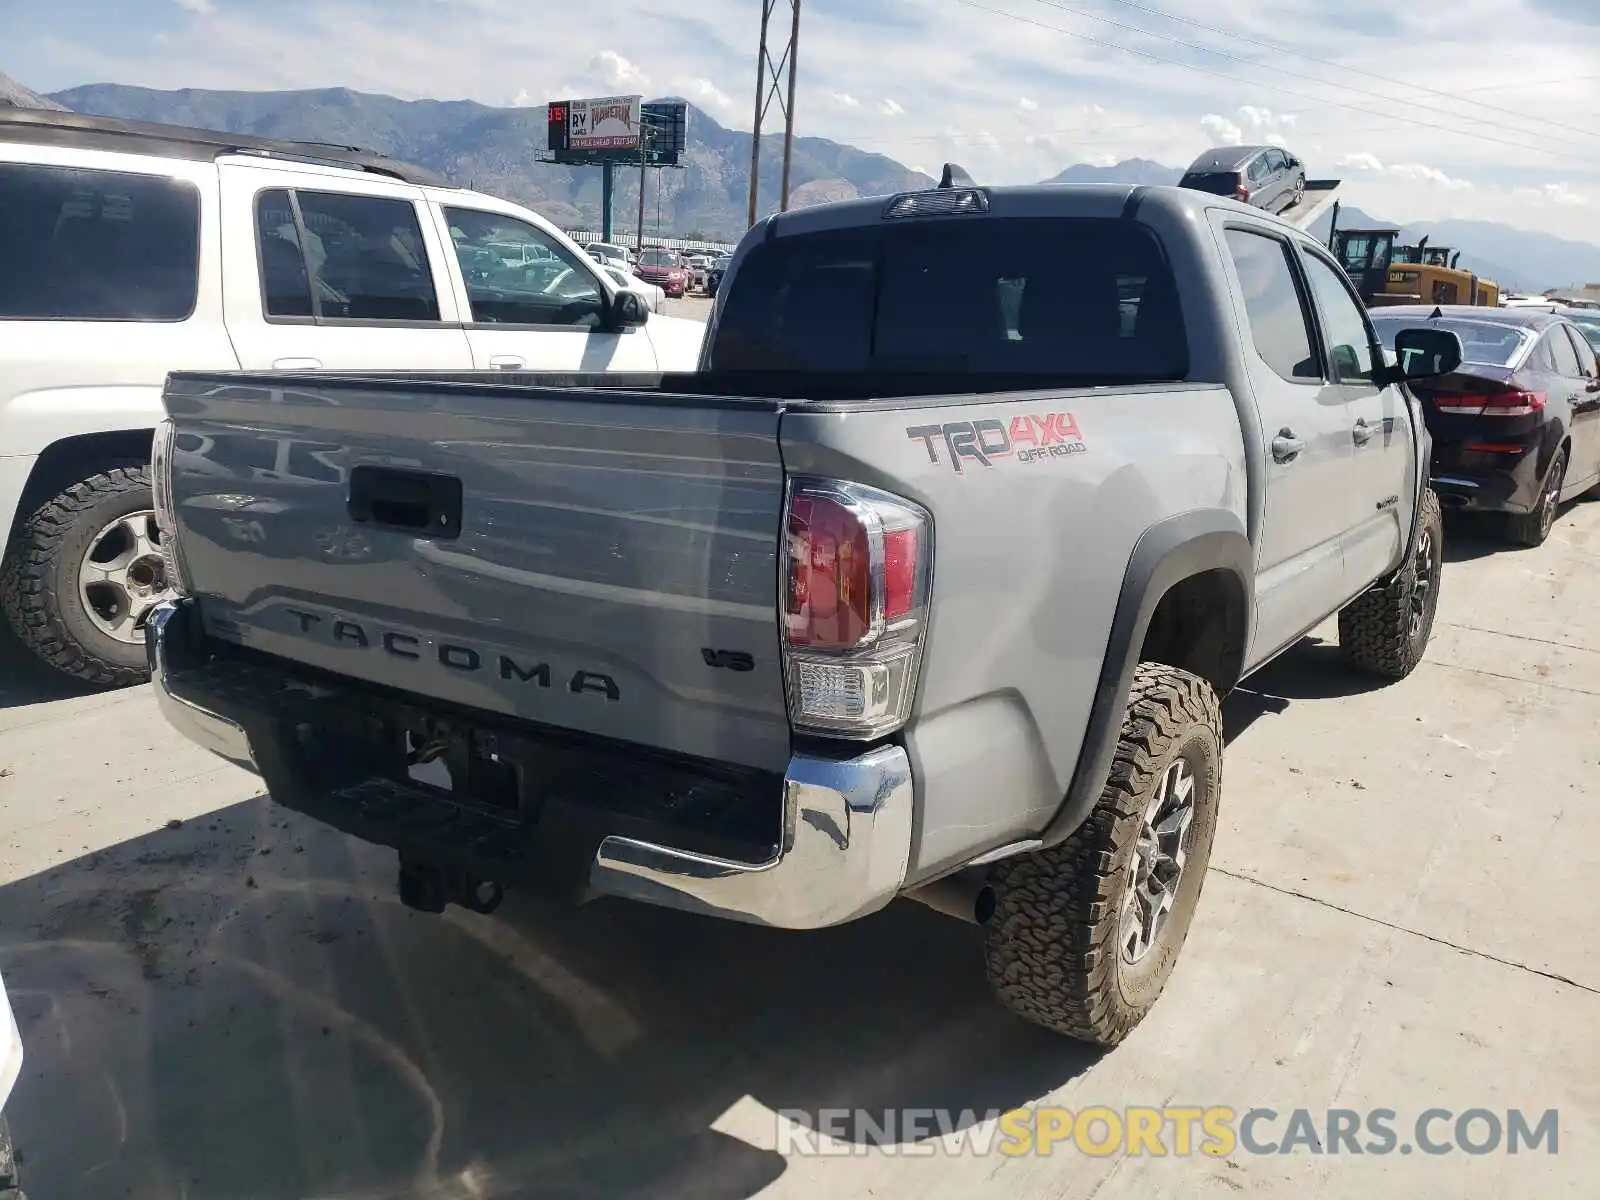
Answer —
(123, 576)
(1550, 502)
(1425, 572)
(1158, 861)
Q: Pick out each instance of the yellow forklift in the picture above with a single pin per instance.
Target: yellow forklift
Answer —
(1386, 271)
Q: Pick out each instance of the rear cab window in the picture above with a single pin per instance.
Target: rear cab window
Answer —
(90, 245)
(1001, 302)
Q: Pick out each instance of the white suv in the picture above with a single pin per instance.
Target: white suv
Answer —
(129, 250)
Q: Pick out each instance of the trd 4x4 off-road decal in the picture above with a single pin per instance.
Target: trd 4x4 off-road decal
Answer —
(1033, 437)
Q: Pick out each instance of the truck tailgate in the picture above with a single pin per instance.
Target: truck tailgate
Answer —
(600, 561)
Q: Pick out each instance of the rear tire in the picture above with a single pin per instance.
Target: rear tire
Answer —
(1385, 631)
(1071, 944)
(39, 580)
(1533, 528)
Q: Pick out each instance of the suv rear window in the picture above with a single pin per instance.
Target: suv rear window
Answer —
(81, 245)
(1007, 300)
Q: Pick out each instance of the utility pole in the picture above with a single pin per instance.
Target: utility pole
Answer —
(770, 85)
(644, 135)
(607, 185)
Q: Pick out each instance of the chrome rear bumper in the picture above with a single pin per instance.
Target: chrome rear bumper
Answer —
(845, 840)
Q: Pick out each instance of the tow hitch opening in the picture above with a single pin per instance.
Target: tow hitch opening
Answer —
(429, 888)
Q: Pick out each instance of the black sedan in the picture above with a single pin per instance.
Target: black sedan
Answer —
(1516, 430)
(1267, 177)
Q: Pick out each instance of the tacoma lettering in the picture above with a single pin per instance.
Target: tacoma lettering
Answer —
(468, 660)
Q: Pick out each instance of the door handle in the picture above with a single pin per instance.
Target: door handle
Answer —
(1363, 432)
(296, 364)
(507, 362)
(1286, 447)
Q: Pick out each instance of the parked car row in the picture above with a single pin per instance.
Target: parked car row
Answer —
(1516, 428)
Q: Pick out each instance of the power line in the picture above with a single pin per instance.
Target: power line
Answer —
(1231, 78)
(1256, 64)
(1280, 48)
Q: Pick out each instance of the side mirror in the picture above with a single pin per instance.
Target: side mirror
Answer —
(1425, 353)
(628, 310)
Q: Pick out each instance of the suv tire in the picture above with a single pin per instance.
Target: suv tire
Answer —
(1070, 944)
(39, 581)
(1385, 631)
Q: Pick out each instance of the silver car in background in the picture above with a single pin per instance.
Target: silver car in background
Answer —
(1267, 177)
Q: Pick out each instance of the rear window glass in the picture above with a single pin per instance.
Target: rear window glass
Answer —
(1069, 301)
(1481, 341)
(79, 245)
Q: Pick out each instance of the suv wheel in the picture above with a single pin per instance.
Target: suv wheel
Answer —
(1084, 935)
(82, 574)
(1533, 528)
(1385, 631)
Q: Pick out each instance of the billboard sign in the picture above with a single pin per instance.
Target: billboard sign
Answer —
(607, 123)
(617, 130)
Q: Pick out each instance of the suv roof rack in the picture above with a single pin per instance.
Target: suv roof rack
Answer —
(55, 128)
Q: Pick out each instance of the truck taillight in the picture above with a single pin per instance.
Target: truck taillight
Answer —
(857, 567)
(166, 519)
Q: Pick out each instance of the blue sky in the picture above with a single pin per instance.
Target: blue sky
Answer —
(1013, 89)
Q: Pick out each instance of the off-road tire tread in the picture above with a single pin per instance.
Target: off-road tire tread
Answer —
(1051, 947)
(27, 594)
(1375, 627)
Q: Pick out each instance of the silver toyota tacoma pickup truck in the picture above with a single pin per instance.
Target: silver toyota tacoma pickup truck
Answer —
(927, 583)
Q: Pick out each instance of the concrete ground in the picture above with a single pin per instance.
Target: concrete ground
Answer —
(1402, 913)
(697, 308)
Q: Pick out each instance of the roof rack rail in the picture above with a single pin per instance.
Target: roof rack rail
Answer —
(196, 145)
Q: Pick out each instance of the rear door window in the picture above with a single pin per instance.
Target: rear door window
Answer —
(1586, 356)
(1279, 316)
(361, 257)
(996, 301)
(1563, 354)
(83, 245)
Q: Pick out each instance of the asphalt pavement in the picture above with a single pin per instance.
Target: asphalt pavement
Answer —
(220, 999)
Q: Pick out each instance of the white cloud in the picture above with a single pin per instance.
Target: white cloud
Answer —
(843, 100)
(1222, 131)
(890, 109)
(198, 6)
(705, 93)
(1362, 161)
(1103, 160)
(1411, 172)
(617, 72)
(1556, 193)
(1027, 105)
(523, 99)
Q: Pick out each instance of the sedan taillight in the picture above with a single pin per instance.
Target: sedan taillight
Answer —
(1514, 403)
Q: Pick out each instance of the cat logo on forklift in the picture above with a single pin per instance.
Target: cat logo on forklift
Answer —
(1033, 437)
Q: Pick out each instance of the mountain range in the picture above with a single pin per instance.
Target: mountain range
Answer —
(499, 150)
